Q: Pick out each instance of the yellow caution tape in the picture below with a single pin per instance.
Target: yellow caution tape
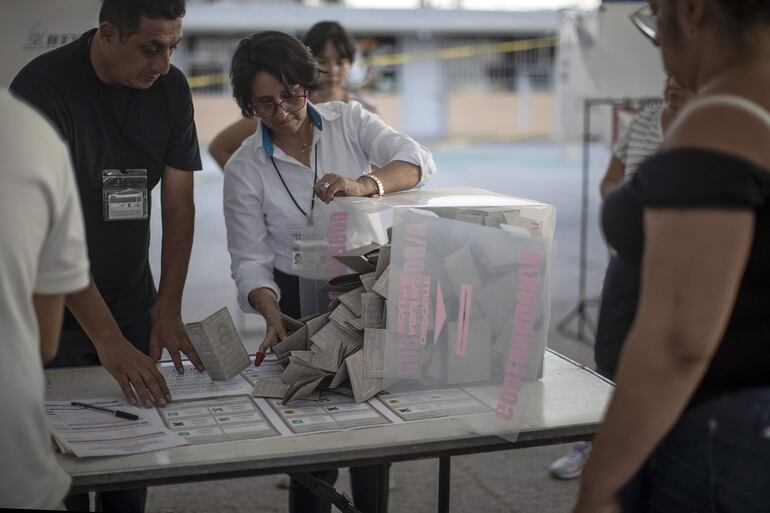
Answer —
(458, 52)
(207, 80)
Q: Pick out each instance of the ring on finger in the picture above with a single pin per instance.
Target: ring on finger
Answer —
(325, 185)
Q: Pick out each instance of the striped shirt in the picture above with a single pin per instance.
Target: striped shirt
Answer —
(640, 140)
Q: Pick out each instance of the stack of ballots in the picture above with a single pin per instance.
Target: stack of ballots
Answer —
(460, 297)
(342, 348)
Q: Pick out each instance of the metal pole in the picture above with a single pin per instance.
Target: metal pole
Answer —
(444, 471)
(584, 216)
(325, 491)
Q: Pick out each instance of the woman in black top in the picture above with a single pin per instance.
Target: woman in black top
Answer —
(688, 429)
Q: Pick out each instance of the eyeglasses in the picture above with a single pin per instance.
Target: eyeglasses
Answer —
(293, 103)
(647, 23)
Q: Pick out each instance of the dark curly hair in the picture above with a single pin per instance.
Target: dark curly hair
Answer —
(333, 32)
(276, 53)
(126, 14)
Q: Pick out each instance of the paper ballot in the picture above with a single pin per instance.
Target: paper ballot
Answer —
(86, 433)
(363, 387)
(295, 340)
(218, 344)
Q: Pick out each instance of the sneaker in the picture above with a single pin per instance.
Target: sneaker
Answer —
(282, 482)
(570, 465)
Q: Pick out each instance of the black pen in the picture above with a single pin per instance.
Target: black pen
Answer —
(117, 413)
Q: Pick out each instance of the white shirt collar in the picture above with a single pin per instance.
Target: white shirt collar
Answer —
(317, 114)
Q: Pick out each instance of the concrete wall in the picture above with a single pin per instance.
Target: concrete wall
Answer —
(499, 115)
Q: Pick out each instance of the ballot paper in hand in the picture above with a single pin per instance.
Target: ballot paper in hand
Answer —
(218, 344)
(296, 340)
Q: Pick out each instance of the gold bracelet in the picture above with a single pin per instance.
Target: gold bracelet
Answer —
(380, 188)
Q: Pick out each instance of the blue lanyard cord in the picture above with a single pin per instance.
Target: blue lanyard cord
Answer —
(315, 179)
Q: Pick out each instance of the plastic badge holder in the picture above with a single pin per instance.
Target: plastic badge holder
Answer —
(125, 194)
(468, 315)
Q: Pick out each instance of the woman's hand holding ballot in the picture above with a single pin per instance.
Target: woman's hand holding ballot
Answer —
(265, 302)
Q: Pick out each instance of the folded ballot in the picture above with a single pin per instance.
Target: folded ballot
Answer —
(218, 344)
(362, 260)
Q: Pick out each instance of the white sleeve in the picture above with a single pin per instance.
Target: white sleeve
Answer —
(63, 263)
(382, 144)
(251, 258)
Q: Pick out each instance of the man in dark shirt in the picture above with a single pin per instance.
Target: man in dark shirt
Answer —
(127, 117)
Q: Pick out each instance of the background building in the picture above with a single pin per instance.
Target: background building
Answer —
(434, 73)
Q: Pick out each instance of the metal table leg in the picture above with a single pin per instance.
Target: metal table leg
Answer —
(444, 470)
(325, 491)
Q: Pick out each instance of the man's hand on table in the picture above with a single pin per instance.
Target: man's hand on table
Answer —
(136, 374)
(168, 331)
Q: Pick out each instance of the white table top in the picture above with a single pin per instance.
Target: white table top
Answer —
(566, 404)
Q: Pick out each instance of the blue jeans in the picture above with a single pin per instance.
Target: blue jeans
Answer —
(75, 349)
(716, 459)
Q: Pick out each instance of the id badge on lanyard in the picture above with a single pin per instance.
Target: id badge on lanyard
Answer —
(124, 194)
(309, 251)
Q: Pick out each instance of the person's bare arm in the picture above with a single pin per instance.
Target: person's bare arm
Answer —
(49, 309)
(685, 304)
(178, 212)
(134, 371)
(613, 177)
(230, 139)
(396, 176)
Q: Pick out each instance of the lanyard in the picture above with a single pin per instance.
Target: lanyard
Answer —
(315, 179)
(120, 129)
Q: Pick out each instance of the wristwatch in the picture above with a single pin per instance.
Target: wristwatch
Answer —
(378, 184)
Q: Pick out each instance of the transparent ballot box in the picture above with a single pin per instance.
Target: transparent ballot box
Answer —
(467, 298)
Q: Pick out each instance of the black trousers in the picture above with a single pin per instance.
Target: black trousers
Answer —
(369, 484)
(76, 349)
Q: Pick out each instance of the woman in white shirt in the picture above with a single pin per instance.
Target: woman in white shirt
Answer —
(299, 155)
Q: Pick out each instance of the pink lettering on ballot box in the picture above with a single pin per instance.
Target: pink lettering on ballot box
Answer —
(468, 295)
